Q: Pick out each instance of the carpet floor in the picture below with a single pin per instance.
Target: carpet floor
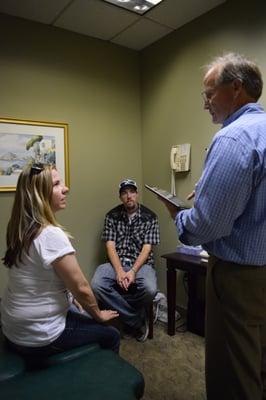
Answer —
(172, 366)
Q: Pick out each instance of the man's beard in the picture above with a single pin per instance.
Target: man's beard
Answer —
(131, 208)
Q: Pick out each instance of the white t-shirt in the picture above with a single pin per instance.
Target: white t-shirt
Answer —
(36, 301)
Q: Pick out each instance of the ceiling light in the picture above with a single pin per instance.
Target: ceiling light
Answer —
(142, 7)
(154, 1)
(137, 6)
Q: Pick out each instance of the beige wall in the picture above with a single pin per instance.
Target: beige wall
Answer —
(49, 74)
(172, 108)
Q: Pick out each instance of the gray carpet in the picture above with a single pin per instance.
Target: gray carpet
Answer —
(173, 366)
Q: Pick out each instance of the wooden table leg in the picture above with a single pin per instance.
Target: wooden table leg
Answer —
(171, 299)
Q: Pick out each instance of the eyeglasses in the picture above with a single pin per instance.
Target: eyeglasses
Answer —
(36, 169)
(208, 94)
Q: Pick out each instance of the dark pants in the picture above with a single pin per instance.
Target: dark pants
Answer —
(79, 330)
(235, 318)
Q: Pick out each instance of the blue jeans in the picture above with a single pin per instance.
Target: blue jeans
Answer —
(130, 304)
(79, 330)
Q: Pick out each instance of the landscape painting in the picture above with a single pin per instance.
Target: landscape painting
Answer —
(26, 142)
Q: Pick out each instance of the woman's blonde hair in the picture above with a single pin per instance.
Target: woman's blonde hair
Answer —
(31, 211)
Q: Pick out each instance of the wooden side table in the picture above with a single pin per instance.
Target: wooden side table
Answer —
(195, 267)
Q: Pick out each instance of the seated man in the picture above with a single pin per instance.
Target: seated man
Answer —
(128, 283)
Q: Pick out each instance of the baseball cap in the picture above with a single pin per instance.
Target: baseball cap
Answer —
(127, 182)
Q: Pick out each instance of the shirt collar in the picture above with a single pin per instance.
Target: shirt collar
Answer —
(247, 108)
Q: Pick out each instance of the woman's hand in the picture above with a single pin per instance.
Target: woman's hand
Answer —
(107, 315)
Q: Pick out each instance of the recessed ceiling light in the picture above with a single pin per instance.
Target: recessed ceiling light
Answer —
(137, 6)
(154, 1)
(142, 7)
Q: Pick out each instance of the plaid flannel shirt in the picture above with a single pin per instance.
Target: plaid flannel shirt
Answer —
(130, 235)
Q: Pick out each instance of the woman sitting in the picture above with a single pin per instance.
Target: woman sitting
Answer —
(43, 273)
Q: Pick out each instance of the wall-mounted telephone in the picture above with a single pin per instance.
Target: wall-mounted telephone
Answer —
(180, 157)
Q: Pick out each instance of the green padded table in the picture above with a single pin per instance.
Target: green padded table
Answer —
(86, 372)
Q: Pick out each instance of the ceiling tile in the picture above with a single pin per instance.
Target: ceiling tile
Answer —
(175, 13)
(95, 18)
(141, 34)
(41, 11)
(102, 20)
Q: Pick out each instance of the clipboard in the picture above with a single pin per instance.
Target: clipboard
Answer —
(176, 201)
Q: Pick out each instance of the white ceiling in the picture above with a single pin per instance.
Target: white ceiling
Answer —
(107, 22)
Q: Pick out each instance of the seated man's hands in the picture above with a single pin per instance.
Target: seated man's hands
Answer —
(129, 279)
(125, 279)
(120, 277)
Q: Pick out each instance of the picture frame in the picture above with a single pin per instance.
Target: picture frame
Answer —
(26, 141)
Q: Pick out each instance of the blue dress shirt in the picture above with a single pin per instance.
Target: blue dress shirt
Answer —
(229, 214)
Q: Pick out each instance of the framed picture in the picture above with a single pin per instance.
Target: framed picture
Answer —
(23, 142)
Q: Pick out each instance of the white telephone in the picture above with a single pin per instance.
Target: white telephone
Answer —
(180, 157)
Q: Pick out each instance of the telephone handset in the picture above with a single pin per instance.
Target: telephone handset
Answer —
(180, 157)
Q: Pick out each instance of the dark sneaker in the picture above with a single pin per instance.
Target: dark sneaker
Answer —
(141, 334)
(128, 332)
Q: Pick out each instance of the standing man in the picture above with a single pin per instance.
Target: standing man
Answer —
(229, 219)
(128, 282)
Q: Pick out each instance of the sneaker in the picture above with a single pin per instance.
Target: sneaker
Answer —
(141, 334)
(128, 332)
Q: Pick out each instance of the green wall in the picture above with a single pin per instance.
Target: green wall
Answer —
(48, 74)
(172, 107)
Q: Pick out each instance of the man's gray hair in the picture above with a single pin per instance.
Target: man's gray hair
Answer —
(235, 66)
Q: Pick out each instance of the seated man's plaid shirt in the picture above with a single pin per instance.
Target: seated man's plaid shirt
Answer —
(130, 235)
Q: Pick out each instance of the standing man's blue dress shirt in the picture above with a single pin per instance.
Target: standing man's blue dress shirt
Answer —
(229, 217)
